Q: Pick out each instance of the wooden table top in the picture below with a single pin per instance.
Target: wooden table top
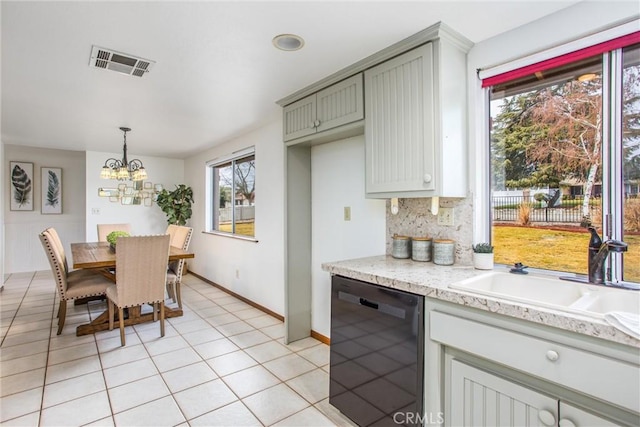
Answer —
(99, 255)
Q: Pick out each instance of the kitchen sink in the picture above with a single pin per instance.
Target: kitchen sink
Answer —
(525, 288)
(610, 300)
(552, 292)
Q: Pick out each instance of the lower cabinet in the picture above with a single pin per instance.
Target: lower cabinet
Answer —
(497, 371)
(481, 398)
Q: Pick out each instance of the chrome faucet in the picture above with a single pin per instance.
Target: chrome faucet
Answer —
(598, 252)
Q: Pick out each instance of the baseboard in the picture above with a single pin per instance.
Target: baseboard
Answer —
(240, 297)
(320, 337)
(314, 334)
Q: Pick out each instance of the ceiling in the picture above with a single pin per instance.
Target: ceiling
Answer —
(217, 74)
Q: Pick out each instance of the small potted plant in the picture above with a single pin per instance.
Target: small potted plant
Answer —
(483, 256)
(113, 237)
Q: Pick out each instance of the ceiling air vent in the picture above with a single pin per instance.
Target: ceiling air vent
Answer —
(120, 62)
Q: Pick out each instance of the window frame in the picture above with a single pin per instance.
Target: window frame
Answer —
(612, 124)
(211, 192)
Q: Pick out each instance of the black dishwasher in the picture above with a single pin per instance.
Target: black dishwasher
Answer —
(377, 353)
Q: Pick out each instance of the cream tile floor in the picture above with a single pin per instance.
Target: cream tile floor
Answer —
(223, 363)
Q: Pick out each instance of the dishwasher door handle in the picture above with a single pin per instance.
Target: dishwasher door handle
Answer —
(368, 303)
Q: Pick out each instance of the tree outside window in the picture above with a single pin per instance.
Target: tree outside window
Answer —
(234, 196)
(547, 150)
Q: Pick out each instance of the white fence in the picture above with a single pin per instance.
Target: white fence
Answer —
(243, 213)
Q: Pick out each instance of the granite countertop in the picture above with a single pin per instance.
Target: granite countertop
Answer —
(432, 281)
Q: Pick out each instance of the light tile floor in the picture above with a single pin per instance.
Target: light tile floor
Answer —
(223, 363)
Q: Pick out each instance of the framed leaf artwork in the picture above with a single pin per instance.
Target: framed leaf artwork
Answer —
(51, 179)
(21, 186)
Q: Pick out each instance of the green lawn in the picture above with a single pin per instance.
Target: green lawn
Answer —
(243, 228)
(556, 250)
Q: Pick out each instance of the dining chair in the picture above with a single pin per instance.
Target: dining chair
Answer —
(180, 238)
(105, 229)
(71, 285)
(141, 274)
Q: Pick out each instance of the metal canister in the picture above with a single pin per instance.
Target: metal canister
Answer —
(444, 251)
(401, 247)
(421, 249)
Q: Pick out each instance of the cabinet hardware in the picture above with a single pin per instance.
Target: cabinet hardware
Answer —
(552, 355)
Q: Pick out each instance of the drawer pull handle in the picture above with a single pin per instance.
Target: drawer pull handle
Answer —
(546, 418)
(427, 177)
(368, 303)
(565, 422)
(552, 355)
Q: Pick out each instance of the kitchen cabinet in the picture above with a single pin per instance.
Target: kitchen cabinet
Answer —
(330, 108)
(482, 398)
(415, 125)
(534, 377)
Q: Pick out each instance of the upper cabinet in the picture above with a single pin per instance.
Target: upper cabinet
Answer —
(399, 133)
(414, 110)
(415, 131)
(330, 108)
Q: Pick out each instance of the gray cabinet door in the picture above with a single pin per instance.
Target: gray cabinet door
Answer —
(340, 104)
(337, 105)
(481, 398)
(399, 130)
(300, 118)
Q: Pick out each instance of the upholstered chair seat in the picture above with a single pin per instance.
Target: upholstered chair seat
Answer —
(180, 238)
(71, 285)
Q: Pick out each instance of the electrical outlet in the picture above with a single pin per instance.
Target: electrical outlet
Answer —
(347, 213)
(445, 216)
(95, 211)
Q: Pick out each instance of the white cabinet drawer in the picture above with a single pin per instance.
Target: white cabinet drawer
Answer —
(608, 379)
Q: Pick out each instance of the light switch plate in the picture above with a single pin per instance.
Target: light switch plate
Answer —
(445, 216)
(347, 213)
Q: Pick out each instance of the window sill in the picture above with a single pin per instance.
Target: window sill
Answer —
(231, 235)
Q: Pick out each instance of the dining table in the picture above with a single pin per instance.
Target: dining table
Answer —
(100, 257)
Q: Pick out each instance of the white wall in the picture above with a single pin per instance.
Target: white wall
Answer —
(2, 191)
(569, 24)
(337, 180)
(260, 265)
(143, 219)
(23, 250)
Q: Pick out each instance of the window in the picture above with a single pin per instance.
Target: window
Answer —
(565, 154)
(232, 193)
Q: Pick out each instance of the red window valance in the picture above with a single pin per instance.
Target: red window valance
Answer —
(567, 58)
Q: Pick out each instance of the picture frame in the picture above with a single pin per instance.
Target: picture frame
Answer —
(137, 185)
(148, 185)
(21, 186)
(51, 190)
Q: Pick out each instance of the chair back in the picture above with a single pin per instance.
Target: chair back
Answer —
(105, 229)
(180, 238)
(141, 269)
(55, 238)
(56, 258)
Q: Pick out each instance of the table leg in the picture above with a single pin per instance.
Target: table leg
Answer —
(101, 323)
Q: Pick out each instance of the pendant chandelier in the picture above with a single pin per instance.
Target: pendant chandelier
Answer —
(123, 170)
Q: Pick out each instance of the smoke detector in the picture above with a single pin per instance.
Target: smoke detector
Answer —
(109, 59)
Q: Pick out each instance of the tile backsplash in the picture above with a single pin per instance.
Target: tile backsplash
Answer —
(414, 219)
